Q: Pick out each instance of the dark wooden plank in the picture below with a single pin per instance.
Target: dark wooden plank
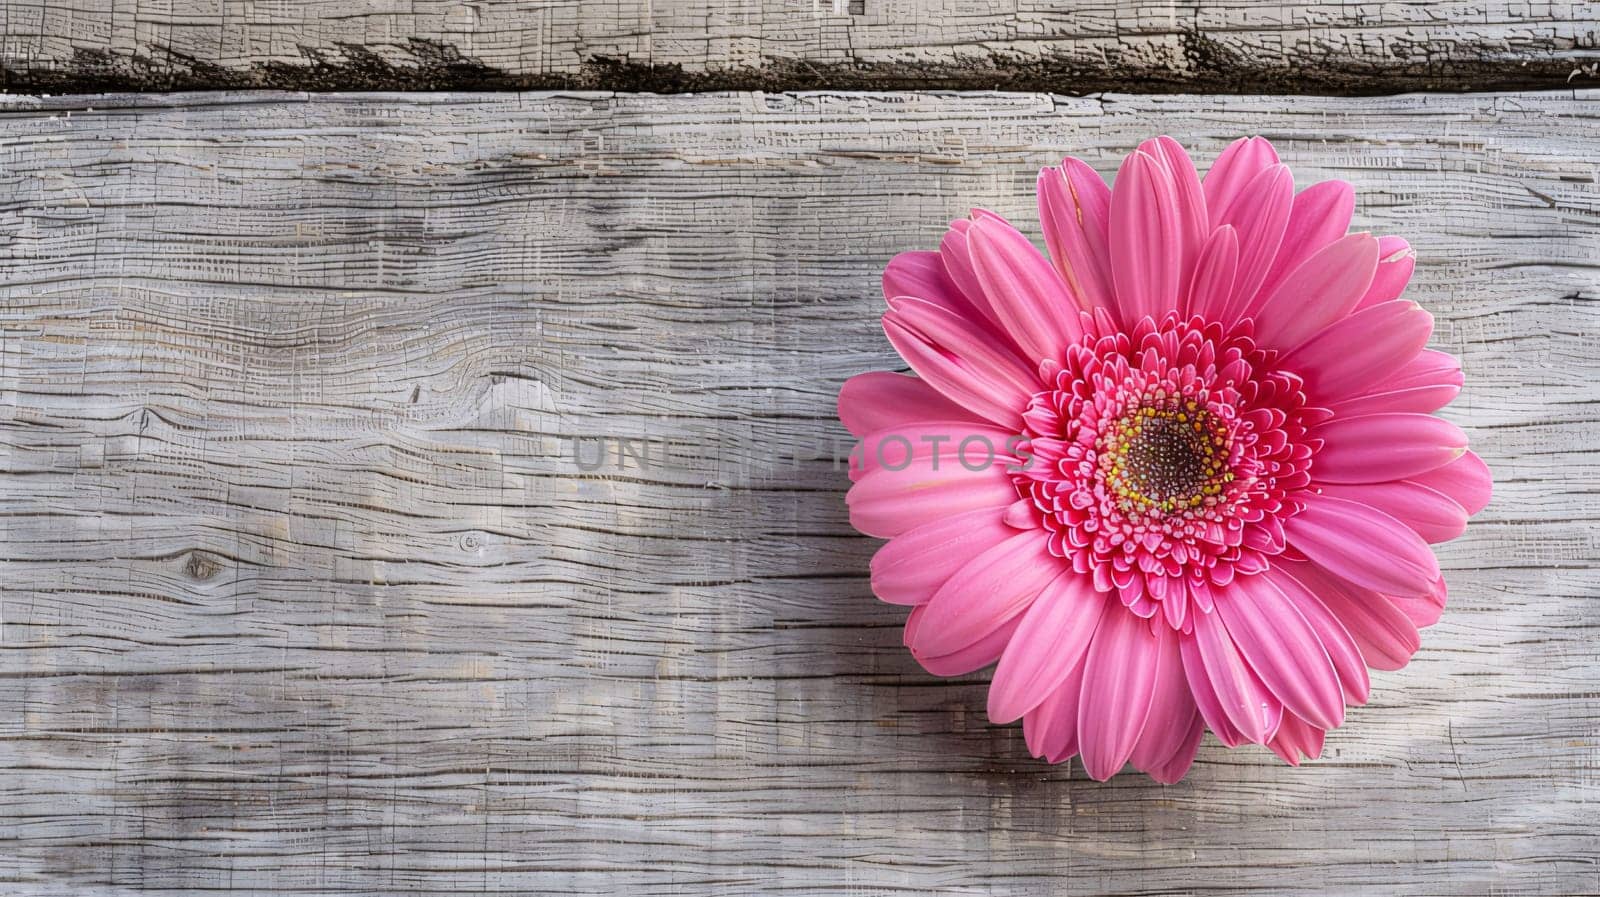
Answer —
(66, 46)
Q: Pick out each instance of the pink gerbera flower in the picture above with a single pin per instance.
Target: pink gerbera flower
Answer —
(1182, 475)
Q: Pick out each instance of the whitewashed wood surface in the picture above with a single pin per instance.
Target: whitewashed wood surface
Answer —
(304, 592)
(668, 45)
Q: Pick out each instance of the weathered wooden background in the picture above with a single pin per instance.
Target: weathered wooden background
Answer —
(303, 590)
(307, 585)
(1069, 46)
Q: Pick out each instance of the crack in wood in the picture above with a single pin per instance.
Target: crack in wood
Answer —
(1338, 57)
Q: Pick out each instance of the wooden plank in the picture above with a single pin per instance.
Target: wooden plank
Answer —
(84, 46)
(303, 590)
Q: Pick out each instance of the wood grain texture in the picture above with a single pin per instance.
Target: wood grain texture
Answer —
(303, 590)
(672, 45)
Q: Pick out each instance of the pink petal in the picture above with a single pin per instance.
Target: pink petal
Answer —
(964, 660)
(1319, 216)
(913, 623)
(1175, 768)
(921, 275)
(1320, 291)
(1283, 649)
(1418, 400)
(1259, 214)
(881, 400)
(1430, 513)
(1211, 289)
(1362, 545)
(1466, 480)
(1422, 610)
(1430, 368)
(1119, 680)
(1075, 210)
(1205, 697)
(1172, 708)
(1146, 239)
(1335, 638)
(1249, 705)
(968, 366)
(940, 443)
(1374, 448)
(1024, 291)
(913, 565)
(1297, 737)
(1386, 637)
(1360, 350)
(1175, 603)
(1189, 200)
(1396, 261)
(1023, 515)
(1207, 702)
(886, 502)
(1422, 385)
(1233, 171)
(1054, 634)
(1051, 729)
(989, 590)
(956, 256)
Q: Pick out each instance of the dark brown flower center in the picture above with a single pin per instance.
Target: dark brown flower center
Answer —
(1166, 458)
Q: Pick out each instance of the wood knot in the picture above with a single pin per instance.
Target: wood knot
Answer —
(201, 566)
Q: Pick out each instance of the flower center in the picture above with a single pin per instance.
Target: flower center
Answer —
(1166, 457)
